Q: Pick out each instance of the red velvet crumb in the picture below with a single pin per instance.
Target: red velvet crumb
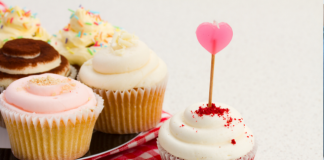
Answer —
(233, 141)
(211, 110)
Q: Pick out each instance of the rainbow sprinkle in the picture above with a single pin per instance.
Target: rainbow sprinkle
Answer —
(69, 50)
(18, 13)
(79, 35)
(76, 17)
(49, 41)
(11, 19)
(94, 12)
(19, 37)
(71, 10)
(80, 23)
(88, 23)
(72, 16)
(66, 40)
(1, 26)
(90, 51)
(5, 40)
(95, 23)
(24, 24)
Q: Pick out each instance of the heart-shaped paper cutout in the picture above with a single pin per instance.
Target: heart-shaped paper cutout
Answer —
(214, 37)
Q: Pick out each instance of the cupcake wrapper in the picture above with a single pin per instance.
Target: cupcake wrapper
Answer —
(165, 155)
(131, 111)
(73, 72)
(34, 136)
(2, 123)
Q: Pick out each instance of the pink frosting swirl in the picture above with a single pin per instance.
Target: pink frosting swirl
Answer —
(48, 93)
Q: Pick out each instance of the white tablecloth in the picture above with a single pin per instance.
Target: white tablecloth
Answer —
(271, 71)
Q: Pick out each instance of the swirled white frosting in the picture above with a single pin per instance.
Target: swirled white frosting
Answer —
(17, 23)
(84, 30)
(127, 63)
(189, 136)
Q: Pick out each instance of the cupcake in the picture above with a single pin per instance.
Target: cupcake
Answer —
(49, 116)
(208, 133)
(19, 23)
(132, 81)
(83, 37)
(24, 57)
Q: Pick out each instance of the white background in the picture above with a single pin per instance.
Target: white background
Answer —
(271, 71)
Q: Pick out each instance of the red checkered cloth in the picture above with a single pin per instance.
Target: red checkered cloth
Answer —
(142, 147)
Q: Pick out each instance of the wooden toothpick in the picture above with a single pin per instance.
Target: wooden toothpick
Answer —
(210, 100)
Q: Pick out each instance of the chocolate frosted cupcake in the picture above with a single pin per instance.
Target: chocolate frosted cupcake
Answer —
(24, 57)
(19, 23)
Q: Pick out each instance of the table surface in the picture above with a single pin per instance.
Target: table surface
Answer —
(271, 71)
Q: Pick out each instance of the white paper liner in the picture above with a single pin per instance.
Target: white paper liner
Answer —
(72, 115)
(131, 111)
(59, 136)
(165, 155)
(73, 72)
(2, 123)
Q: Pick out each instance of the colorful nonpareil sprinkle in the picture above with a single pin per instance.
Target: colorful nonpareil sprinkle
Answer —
(89, 50)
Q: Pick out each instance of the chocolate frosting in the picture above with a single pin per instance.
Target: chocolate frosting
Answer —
(59, 69)
(23, 47)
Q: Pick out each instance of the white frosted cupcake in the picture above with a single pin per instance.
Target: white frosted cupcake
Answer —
(49, 117)
(132, 79)
(203, 133)
(19, 23)
(83, 37)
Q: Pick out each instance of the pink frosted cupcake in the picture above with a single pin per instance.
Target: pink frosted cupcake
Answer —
(208, 133)
(49, 117)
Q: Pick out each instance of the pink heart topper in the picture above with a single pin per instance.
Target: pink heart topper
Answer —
(214, 37)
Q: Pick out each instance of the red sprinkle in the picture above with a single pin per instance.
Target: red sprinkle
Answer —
(182, 126)
(211, 110)
(247, 136)
(233, 141)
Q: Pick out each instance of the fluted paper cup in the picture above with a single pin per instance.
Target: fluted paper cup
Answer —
(131, 111)
(165, 155)
(73, 72)
(57, 137)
